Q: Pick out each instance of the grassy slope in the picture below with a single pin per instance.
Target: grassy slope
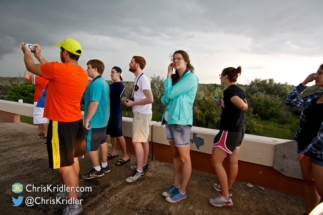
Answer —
(271, 128)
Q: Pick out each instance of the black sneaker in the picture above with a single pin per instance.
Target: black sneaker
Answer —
(217, 187)
(93, 174)
(134, 167)
(106, 169)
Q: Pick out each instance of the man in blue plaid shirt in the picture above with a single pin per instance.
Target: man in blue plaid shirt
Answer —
(309, 137)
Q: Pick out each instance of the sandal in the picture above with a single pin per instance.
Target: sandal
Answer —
(42, 138)
(121, 162)
(41, 134)
(110, 156)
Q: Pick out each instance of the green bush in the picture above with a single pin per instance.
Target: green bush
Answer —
(157, 88)
(206, 113)
(24, 91)
(251, 123)
(26, 119)
(268, 87)
(266, 106)
(294, 126)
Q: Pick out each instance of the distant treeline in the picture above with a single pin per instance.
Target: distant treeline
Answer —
(267, 114)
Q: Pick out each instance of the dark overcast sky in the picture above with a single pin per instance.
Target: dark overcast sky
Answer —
(267, 38)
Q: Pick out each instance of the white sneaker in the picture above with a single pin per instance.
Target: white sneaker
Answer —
(221, 201)
(135, 176)
(73, 209)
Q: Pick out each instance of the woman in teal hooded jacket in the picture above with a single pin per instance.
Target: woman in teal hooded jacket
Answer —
(180, 91)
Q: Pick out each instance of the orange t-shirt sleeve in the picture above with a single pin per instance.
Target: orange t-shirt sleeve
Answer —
(41, 80)
(49, 70)
(30, 79)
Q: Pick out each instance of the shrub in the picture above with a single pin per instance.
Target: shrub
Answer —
(157, 88)
(24, 91)
(265, 106)
(251, 124)
(205, 112)
(268, 87)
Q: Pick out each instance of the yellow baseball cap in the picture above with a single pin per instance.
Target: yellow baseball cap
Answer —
(71, 45)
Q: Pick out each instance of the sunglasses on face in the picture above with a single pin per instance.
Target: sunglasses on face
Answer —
(177, 59)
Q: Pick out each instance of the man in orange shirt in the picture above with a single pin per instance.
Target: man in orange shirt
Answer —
(38, 112)
(67, 83)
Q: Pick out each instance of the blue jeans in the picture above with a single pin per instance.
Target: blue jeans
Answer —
(179, 134)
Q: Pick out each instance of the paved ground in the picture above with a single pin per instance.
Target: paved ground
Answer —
(24, 159)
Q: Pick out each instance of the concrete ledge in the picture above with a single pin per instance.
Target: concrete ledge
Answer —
(285, 160)
(254, 149)
(127, 126)
(17, 108)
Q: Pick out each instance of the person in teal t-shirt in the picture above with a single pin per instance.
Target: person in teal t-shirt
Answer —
(96, 117)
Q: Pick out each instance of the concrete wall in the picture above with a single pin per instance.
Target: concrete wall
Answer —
(11, 111)
(263, 161)
(254, 149)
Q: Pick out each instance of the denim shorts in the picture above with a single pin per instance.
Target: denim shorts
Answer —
(317, 161)
(179, 134)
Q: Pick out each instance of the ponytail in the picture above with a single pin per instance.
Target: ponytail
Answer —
(232, 73)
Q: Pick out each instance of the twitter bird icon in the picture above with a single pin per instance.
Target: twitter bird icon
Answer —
(17, 201)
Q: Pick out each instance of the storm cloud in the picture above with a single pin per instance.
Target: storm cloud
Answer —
(269, 27)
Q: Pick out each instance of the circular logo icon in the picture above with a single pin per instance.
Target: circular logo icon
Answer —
(17, 188)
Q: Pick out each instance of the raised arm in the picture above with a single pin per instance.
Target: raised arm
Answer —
(38, 55)
(294, 98)
(29, 61)
(188, 82)
(26, 75)
(164, 99)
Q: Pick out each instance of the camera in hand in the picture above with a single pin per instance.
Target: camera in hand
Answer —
(131, 99)
(217, 100)
(31, 47)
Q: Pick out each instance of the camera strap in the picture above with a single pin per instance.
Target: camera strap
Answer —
(33, 79)
(133, 88)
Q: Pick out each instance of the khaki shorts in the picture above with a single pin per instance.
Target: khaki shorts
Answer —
(140, 127)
